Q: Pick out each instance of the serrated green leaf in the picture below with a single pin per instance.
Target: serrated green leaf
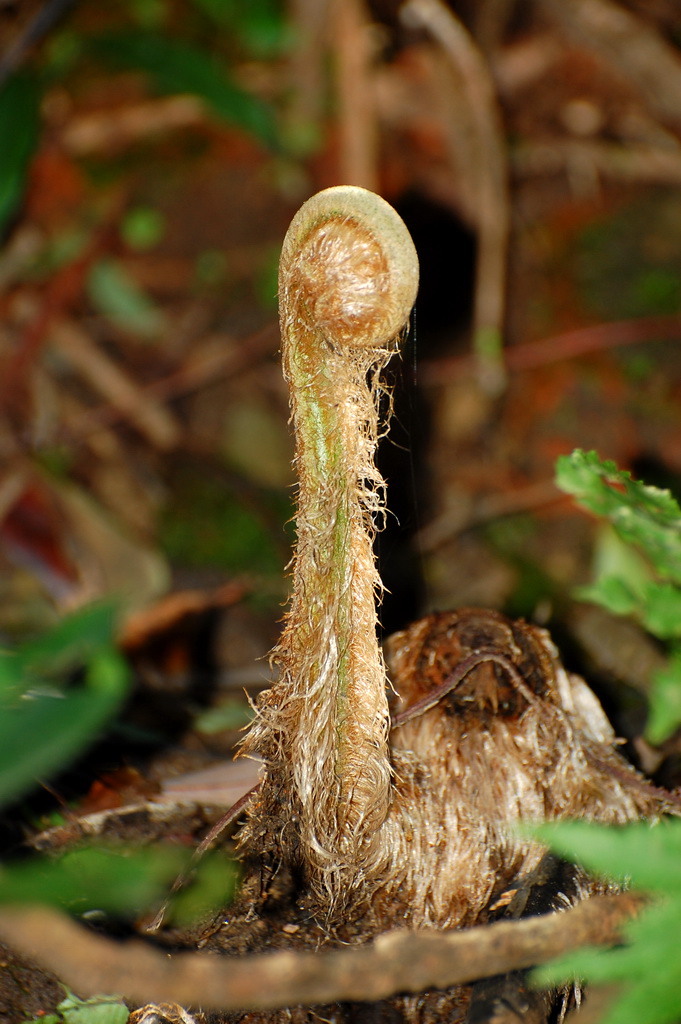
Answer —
(177, 67)
(19, 130)
(648, 854)
(642, 515)
(665, 701)
(615, 558)
(647, 965)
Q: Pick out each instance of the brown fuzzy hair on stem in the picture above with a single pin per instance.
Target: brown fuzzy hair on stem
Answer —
(415, 826)
(347, 284)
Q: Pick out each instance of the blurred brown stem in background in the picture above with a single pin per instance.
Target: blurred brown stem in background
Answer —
(357, 130)
(489, 171)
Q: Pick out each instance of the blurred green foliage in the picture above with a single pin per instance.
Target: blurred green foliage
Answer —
(646, 967)
(638, 563)
(98, 1010)
(116, 295)
(260, 25)
(627, 266)
(19, 131)
(638, 573)
(175, 66)
(195, 62)
(210, 526)
(121, 881)
(57, 693)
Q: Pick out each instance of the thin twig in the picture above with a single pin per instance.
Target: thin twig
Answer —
(458, 675)
(110, 130)
(218, 357)
(132, 403)
(629, 161)
(400, 961)
(568, 345)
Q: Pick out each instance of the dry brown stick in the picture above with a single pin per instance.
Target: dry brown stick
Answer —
(490, 169)
(150, 417)
(356, 104)
(116, 129)
(309, 19)
(400, 961)
(219, 356)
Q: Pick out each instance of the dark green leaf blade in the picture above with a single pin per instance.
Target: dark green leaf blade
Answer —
(70, 642)
(19, 132)
(42, 733)
(177, 67)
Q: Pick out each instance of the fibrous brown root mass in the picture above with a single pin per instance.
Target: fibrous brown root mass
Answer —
(513, 738)
(516, 739)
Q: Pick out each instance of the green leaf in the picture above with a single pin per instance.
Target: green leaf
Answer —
(259, 25)
(123, 881)
(642, 515)
(646, 964)
(19, 130)
(214, 885)
(612, 593)
(142, 228)
(117, 296)
(70, 642)
(648, 854)
(44, 731)
(177, 67)
(119, 881)
(665, 701)
(661, 610)
(232, 714)
(646, 967)
(98, 1010)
